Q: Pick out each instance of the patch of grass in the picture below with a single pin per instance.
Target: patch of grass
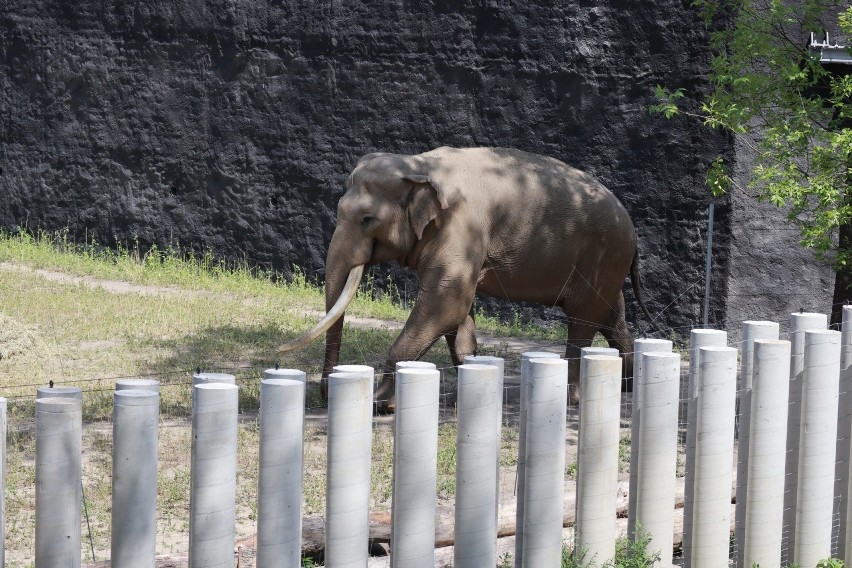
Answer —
(628, 554)
(446, 460)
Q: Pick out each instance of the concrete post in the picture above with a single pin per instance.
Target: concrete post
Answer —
(137, 384)
(545, 478)
(764, 511)
(698, 338)
(640, 346)
(522, 450)
(213, 475)
(657, 437)
(752, 330)
(415, 462)
(476, 472)
(597, 459)
(714, 456)
(286, 374)
(2, 481)
(350, 444)
(279, 484)
(844, 435)
(416, 365)
(59, 440)
(135, 422)
(60, 392)
(799, 322)
(207, 378)
(501, 375)
(817, 446)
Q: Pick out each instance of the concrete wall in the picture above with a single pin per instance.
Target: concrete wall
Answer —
(232, 125)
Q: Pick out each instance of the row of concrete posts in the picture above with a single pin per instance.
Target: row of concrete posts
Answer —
(792, 471)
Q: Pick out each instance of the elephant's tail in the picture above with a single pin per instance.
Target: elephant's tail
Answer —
(637, 286)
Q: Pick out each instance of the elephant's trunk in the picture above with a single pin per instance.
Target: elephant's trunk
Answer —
(333, 315)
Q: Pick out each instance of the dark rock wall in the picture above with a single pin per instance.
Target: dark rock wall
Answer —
(232, 125)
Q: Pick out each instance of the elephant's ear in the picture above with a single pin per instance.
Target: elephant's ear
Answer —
(424, 203)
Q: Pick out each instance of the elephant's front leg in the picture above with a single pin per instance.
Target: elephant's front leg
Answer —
(443, 306)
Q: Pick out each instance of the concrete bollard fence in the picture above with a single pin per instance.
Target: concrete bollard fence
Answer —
(59, 439)
(640, 346)
(597, 459)
(799, 323)
(415, 462)
(698, 338)
(350, 442)
(657, 442)
(752, 330)
(279, 485)
(714, 456)
(817, 445)
(844, 436)
(767, 371)
(213, 475)
(476, 472)
(134, 478)
(545, 462)
(526, 357)
(763, 513)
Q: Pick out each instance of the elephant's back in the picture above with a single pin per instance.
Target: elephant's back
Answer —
(553, 220)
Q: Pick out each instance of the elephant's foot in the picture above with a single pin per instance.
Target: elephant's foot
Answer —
(573, 394)
(384, 396)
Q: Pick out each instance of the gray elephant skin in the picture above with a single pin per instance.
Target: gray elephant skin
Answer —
(498, 221)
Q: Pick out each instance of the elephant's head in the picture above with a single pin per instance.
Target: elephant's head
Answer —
(390, 199)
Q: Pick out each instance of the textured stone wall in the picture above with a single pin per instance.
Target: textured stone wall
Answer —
(232, 125)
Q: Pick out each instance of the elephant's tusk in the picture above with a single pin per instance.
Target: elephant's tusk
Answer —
(336, 311)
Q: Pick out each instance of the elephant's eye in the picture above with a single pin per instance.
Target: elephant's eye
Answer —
(368, 219)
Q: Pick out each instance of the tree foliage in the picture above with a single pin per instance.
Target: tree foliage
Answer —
(770, 89)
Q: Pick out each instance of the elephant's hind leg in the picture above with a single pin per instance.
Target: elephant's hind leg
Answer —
(579, 335)
(619, 337)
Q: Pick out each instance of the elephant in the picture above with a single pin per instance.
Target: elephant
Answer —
(503, 222)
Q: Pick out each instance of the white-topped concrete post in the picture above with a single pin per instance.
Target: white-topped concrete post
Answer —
(698, 338)
(752, 330)
(799, 323)
(522, 449)
(545, 478)
(764, 511)
(213, 475)
(476, 472)
(279, 484)
(714, 456)
(844, 435)
(350, 444)
(640, 346)
(58, 489)
(657, 470)
(817, 447)
(2, 481)
(415, 462)
(138, 384)
(286, 374)
(135, 422)
(208, 378)
(597, 459)
(501, 378)
(75, 393)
